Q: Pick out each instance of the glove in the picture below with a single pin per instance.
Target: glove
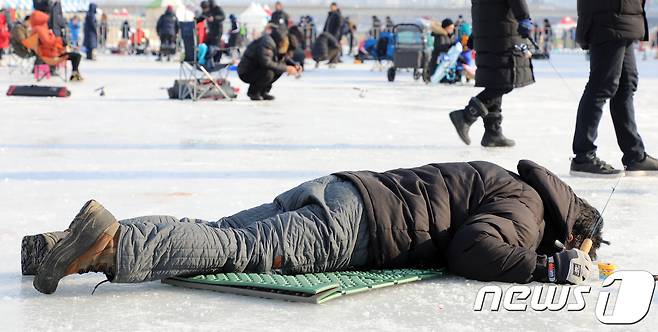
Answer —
(525, 27)
(569, 266)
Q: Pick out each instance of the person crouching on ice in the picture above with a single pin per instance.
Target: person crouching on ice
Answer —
(264, 61)
(477, 219)
(503, 63)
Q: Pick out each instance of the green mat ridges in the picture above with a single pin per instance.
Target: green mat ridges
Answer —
(311, 287)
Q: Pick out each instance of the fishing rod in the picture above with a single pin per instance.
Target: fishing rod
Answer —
(586, 246)
(557, 72)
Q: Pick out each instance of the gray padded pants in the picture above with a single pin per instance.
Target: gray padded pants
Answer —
(318, 226)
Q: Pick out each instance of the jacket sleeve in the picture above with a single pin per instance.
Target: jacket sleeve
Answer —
(219, 15)
(519, 9)
(158, 26)
(265, 60)
(478, 251)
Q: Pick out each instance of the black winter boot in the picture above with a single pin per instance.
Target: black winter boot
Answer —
(493, 132)
(463, 119)
(254, 93)
(266, 93)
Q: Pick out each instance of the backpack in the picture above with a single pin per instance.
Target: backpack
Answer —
(17, 35)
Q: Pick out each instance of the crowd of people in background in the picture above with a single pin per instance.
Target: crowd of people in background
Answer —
(337, 36)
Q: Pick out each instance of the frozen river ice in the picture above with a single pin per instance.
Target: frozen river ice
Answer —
(139, 153)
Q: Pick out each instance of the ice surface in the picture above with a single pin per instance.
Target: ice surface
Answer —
(139, 153)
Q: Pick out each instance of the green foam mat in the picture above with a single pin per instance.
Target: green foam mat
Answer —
(311, 287)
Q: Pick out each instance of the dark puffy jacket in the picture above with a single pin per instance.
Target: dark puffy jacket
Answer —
(216, 27)
(91, 28)
(478, 219)
(281, 19)
(604, 20)
(322, 45)
(57, 23)
(262, 54)
(495, 24)
(167, 24)
(333, 24)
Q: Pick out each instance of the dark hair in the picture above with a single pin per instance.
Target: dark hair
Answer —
(446, 23)
(587, 225)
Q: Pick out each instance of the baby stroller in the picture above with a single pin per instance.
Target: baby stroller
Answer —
(410, 50)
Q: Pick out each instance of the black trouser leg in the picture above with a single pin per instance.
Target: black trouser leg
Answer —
(493, 98)
(623, 111)
(612, 75)
(90, 54)
(259, 80)
(75, 59)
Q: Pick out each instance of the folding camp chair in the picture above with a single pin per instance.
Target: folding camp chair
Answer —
(193, 72)
(51, 66)
(19, 65)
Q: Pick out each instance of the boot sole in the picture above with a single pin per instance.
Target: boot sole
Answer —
(464, 139)
(595, 175)
(84, 233)
(641, 173)
(33, 250)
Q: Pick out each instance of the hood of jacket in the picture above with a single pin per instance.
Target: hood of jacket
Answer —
(438, 29)
(38, 18)
(560, 208)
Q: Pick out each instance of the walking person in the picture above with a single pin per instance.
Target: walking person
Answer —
(503, 61)
(103, 28)
(609, 35)
(167, 29)
(91, 32)
(334, 22)
(74, 28)
(279, 17)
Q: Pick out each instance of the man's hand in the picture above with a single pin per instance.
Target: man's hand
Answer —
(570, 266)
(210, 18)
(525, 27)
(299, 68)
(292, 71)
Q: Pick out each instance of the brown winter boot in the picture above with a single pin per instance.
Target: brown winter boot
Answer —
(90, 247)
(34, 249)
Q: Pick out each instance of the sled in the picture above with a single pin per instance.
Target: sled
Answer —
(311, 288)
(38, 91)
(446, 62)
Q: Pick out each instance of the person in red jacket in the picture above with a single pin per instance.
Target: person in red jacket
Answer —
(4, 34)
(49, 47)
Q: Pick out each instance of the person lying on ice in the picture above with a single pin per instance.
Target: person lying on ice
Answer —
(478, 219)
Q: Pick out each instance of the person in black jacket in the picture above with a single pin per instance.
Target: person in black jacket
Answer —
(167, 29)
(608, 30)
(334, 22)
(279, 17)
(90, 39)
(57, 23)
(503, 61)
(264, 61)
(476, 219)
(326, 47)
(443, 40)
(215, 21)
